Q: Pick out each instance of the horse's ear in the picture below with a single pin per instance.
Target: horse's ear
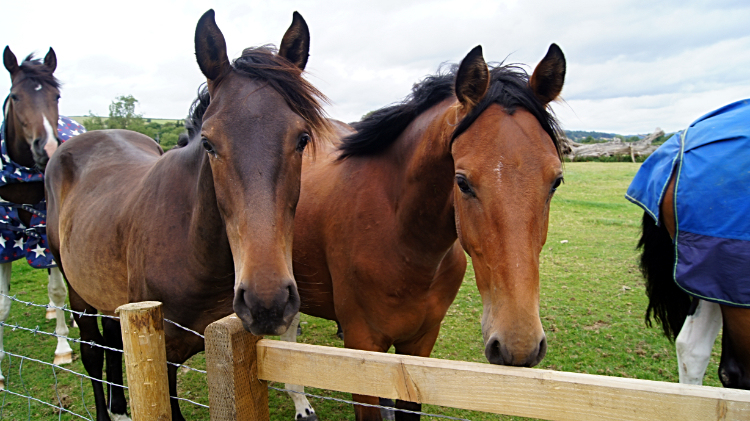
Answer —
(10, 61)
(210, 48)
(295, 46)
(549, 75)
(472, 79)
(50, 60)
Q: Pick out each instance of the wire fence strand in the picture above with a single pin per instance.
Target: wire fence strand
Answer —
(36, 330)
(388, 408)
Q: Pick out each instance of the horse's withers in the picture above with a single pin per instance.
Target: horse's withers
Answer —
(507, 168)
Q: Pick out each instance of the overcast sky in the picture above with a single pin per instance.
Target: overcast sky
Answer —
(632, 65)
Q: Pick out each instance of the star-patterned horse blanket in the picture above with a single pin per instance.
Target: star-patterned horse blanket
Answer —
(710, 161)
(17, 240)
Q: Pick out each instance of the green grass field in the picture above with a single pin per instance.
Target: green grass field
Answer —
(592, 307)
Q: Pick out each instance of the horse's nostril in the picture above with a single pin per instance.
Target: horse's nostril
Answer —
(493, 352)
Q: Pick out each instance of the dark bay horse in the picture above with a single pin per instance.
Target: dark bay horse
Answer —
(467, 163)
(696, 262)
(29, 137)
(205, 228)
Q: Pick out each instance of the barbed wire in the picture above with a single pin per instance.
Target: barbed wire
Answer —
(45, 403)
(82, 376)
(31, 398)
(389, 408)
(36, 330)
(90, 343)
(185, 328)
(85, 314)
(54, 307)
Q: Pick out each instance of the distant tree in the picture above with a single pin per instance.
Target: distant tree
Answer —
(93, 122)
(122, 113)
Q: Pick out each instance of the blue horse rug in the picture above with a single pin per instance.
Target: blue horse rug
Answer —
(17, 240)
(711, 164)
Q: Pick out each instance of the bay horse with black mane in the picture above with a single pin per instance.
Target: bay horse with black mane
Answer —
(28, 138)
(468, 163)
(696, 242)
(205, 228)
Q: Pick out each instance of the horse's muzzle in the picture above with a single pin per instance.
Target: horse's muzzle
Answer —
(267, 316)
(500, 353)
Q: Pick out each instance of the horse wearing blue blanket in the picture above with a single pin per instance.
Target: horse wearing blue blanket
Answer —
(695, 193)
(30, 133)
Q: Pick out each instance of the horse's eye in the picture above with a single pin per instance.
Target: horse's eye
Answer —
(559, 181)
(58, 98)
(208, 146)
(13, 97)
(302, 142)
(463, 185)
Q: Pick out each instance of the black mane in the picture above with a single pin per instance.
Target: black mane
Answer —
(264, 64)
(194, 121)
(509, 87)
(380, 129)
(34, 70)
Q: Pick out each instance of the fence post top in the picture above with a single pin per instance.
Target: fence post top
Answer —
(140, 306)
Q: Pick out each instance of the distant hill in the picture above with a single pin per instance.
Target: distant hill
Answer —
(582, 134)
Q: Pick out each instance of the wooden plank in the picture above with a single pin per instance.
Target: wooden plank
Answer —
(142, 327)
(527, 392)
(234, 390)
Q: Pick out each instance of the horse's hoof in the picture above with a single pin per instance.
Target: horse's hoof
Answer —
(64, 358)
(119, 417)
(312, 417)
(51, 314)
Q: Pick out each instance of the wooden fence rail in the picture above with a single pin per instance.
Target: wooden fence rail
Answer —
(238, 375)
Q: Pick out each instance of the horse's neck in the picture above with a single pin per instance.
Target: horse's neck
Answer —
(425, 209)
(17, 147)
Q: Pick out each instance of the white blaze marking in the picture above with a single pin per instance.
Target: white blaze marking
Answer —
(51, 146)
(499, 171)
(38, 87)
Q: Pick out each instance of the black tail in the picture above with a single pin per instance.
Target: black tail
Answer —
(669, 304)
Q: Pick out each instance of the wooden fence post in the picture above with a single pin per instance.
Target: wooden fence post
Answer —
(234, 390)
(142, 328)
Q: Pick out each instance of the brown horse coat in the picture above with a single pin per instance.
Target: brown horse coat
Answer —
(376, 230)
(206, 228)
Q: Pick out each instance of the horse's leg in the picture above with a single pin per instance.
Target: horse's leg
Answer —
(359, 336)
(421, 348)
(734, 368)
(695, 341)
(174, 403)
(92, 357)
(57, 293)
(5, 270)
(303, 410)
(51, 312)
(116, 395)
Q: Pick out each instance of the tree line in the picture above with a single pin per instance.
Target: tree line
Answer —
(122, 115)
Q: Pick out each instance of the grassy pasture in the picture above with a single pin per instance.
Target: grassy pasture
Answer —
(592, 307)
